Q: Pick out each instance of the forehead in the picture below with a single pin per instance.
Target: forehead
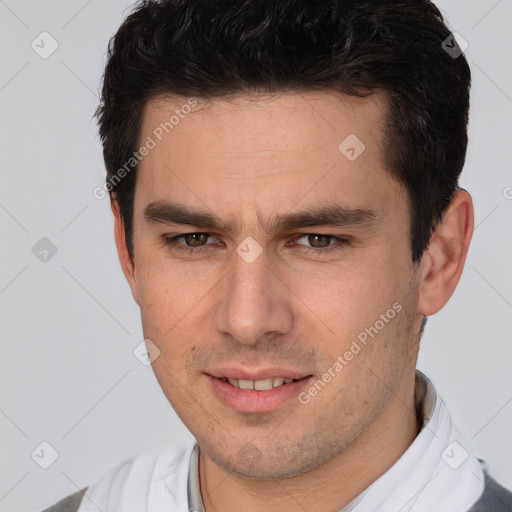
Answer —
(295, 116)
(244, 151)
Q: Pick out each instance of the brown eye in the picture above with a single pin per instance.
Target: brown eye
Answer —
(321, 244)
(319, 240)
(195, 239)
(189, 243)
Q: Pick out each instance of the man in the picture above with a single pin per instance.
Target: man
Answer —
(284, 183)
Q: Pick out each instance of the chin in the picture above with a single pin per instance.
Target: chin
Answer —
(249, 461)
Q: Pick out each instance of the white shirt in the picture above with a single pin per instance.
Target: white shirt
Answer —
(438, 472)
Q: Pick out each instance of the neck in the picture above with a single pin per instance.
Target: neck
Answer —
(330, 486)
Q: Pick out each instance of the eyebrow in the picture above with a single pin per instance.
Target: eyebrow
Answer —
(330, 215)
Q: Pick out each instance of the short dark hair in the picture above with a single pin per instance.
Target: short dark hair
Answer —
(219, 48)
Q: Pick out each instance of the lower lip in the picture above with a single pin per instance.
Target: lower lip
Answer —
(243, 400)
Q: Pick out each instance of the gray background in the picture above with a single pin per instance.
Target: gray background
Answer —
(69, 325)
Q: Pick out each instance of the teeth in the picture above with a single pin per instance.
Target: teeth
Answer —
(246, 384)
(263, 385)
(259, 385)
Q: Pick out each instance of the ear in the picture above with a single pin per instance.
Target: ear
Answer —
(127, 265)
(443, 261)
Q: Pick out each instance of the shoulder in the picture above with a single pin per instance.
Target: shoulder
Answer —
(69, 503)
(129, 480)
(495, 498)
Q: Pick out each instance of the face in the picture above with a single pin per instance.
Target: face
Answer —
(265, 250)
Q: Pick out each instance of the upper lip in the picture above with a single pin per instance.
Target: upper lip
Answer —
(262, 374)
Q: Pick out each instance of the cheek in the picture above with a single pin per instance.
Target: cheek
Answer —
(350, 297)
(174, 310)
(363, 315)
(166, 295)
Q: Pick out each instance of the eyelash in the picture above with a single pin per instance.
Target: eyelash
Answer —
(172, 242)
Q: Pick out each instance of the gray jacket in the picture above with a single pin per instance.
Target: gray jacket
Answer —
(495, 498)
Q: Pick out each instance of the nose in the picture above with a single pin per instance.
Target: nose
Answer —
(255, 302)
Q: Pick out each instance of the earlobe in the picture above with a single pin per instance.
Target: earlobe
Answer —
(443, 261)
(127, 265)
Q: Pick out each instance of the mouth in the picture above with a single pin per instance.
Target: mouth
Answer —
(261, 392)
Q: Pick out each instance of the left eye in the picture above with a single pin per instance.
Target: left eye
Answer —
(194, 239)
(319, 241)
(193, 242)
